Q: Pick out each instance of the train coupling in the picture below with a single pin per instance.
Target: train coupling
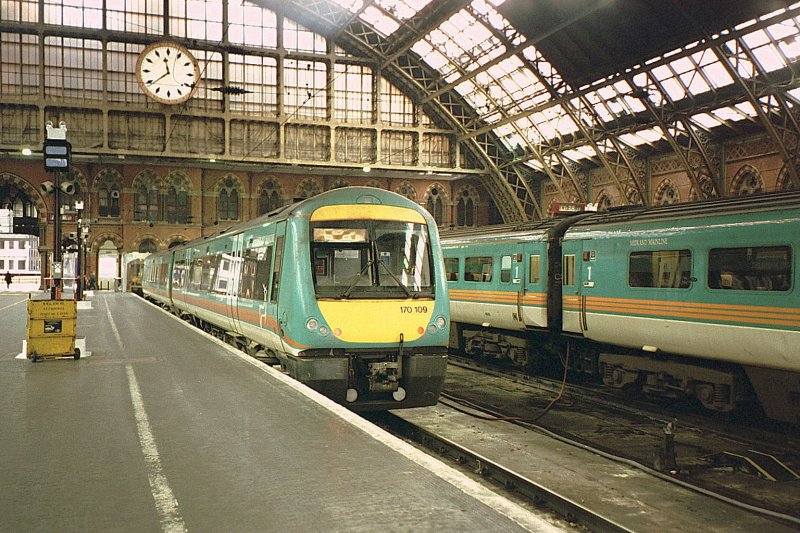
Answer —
(383, 376)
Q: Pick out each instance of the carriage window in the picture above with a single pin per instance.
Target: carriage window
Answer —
(661, 269)
(766, 268)
(534, 269)
(179, 274)
(210, 265)
(478, 269)
(163, 270)
(569, 271)
(451, 267)
(256, 265)
(196, 274)
(505, 268)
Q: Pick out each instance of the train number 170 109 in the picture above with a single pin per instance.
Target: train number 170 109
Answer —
(410, 309)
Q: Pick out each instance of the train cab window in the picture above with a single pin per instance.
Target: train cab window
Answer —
(505, 268)
(451, 267)
(764, 268)
(478, 269)
(660, 269)
(534, 275)
(371, 259)
(568, 271)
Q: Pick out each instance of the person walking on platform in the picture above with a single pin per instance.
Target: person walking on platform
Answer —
(8, 279)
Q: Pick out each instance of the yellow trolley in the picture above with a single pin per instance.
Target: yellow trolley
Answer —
(51, 329)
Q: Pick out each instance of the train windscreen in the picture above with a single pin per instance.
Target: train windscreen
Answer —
(371, 259)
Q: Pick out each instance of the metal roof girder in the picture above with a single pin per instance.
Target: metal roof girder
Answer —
(423, 22)
(672, 126)
(754, 89)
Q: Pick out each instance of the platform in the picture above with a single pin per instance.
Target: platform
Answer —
(165, 428)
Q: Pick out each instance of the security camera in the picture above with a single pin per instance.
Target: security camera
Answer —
(68, 188)
(48, 187)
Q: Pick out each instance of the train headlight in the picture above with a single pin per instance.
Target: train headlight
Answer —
(441, 322)
(432, 329)
(312, 324)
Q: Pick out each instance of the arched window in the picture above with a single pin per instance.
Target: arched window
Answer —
(465, 209)
(14, 196)
(632, 195)
(269, 198)
(604, 202)
(747, 181)
(784, 180)
(108, 192)
(435, 206)
(667, 193)
(147, 200)
(308, 188)
(228, 201)
(148, 246)
(407, 190)
(176, 200)
(339, 183)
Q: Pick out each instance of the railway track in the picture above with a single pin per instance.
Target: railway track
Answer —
(631, 433)
(500, 476)
(705, 453)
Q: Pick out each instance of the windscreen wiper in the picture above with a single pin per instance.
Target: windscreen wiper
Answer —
(399, 283)
(346, 293)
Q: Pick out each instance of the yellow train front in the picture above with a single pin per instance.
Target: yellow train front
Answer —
(346, 289)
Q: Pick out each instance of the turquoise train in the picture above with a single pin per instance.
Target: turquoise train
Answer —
(346, 290)
(698, 300)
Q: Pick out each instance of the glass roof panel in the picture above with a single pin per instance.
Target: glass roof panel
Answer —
(747, 108)
(730, 114)
(378, 20)
(717, 74)
(769, 58)
(351, 5)
(706, 120)
(402, 9)
(674, 89)
(651, 134)
(695, 82)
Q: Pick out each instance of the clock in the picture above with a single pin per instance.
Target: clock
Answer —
(167, 72)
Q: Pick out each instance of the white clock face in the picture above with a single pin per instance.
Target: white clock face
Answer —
(167, 73)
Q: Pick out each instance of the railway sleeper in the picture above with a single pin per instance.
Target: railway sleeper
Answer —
(716, 389)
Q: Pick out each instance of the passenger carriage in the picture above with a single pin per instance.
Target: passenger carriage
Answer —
(695, 299)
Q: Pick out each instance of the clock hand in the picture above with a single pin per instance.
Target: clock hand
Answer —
(151, 82)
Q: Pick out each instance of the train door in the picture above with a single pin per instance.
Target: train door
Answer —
(532, 283)
(234, 275)
(574, 301)
(278, 316)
